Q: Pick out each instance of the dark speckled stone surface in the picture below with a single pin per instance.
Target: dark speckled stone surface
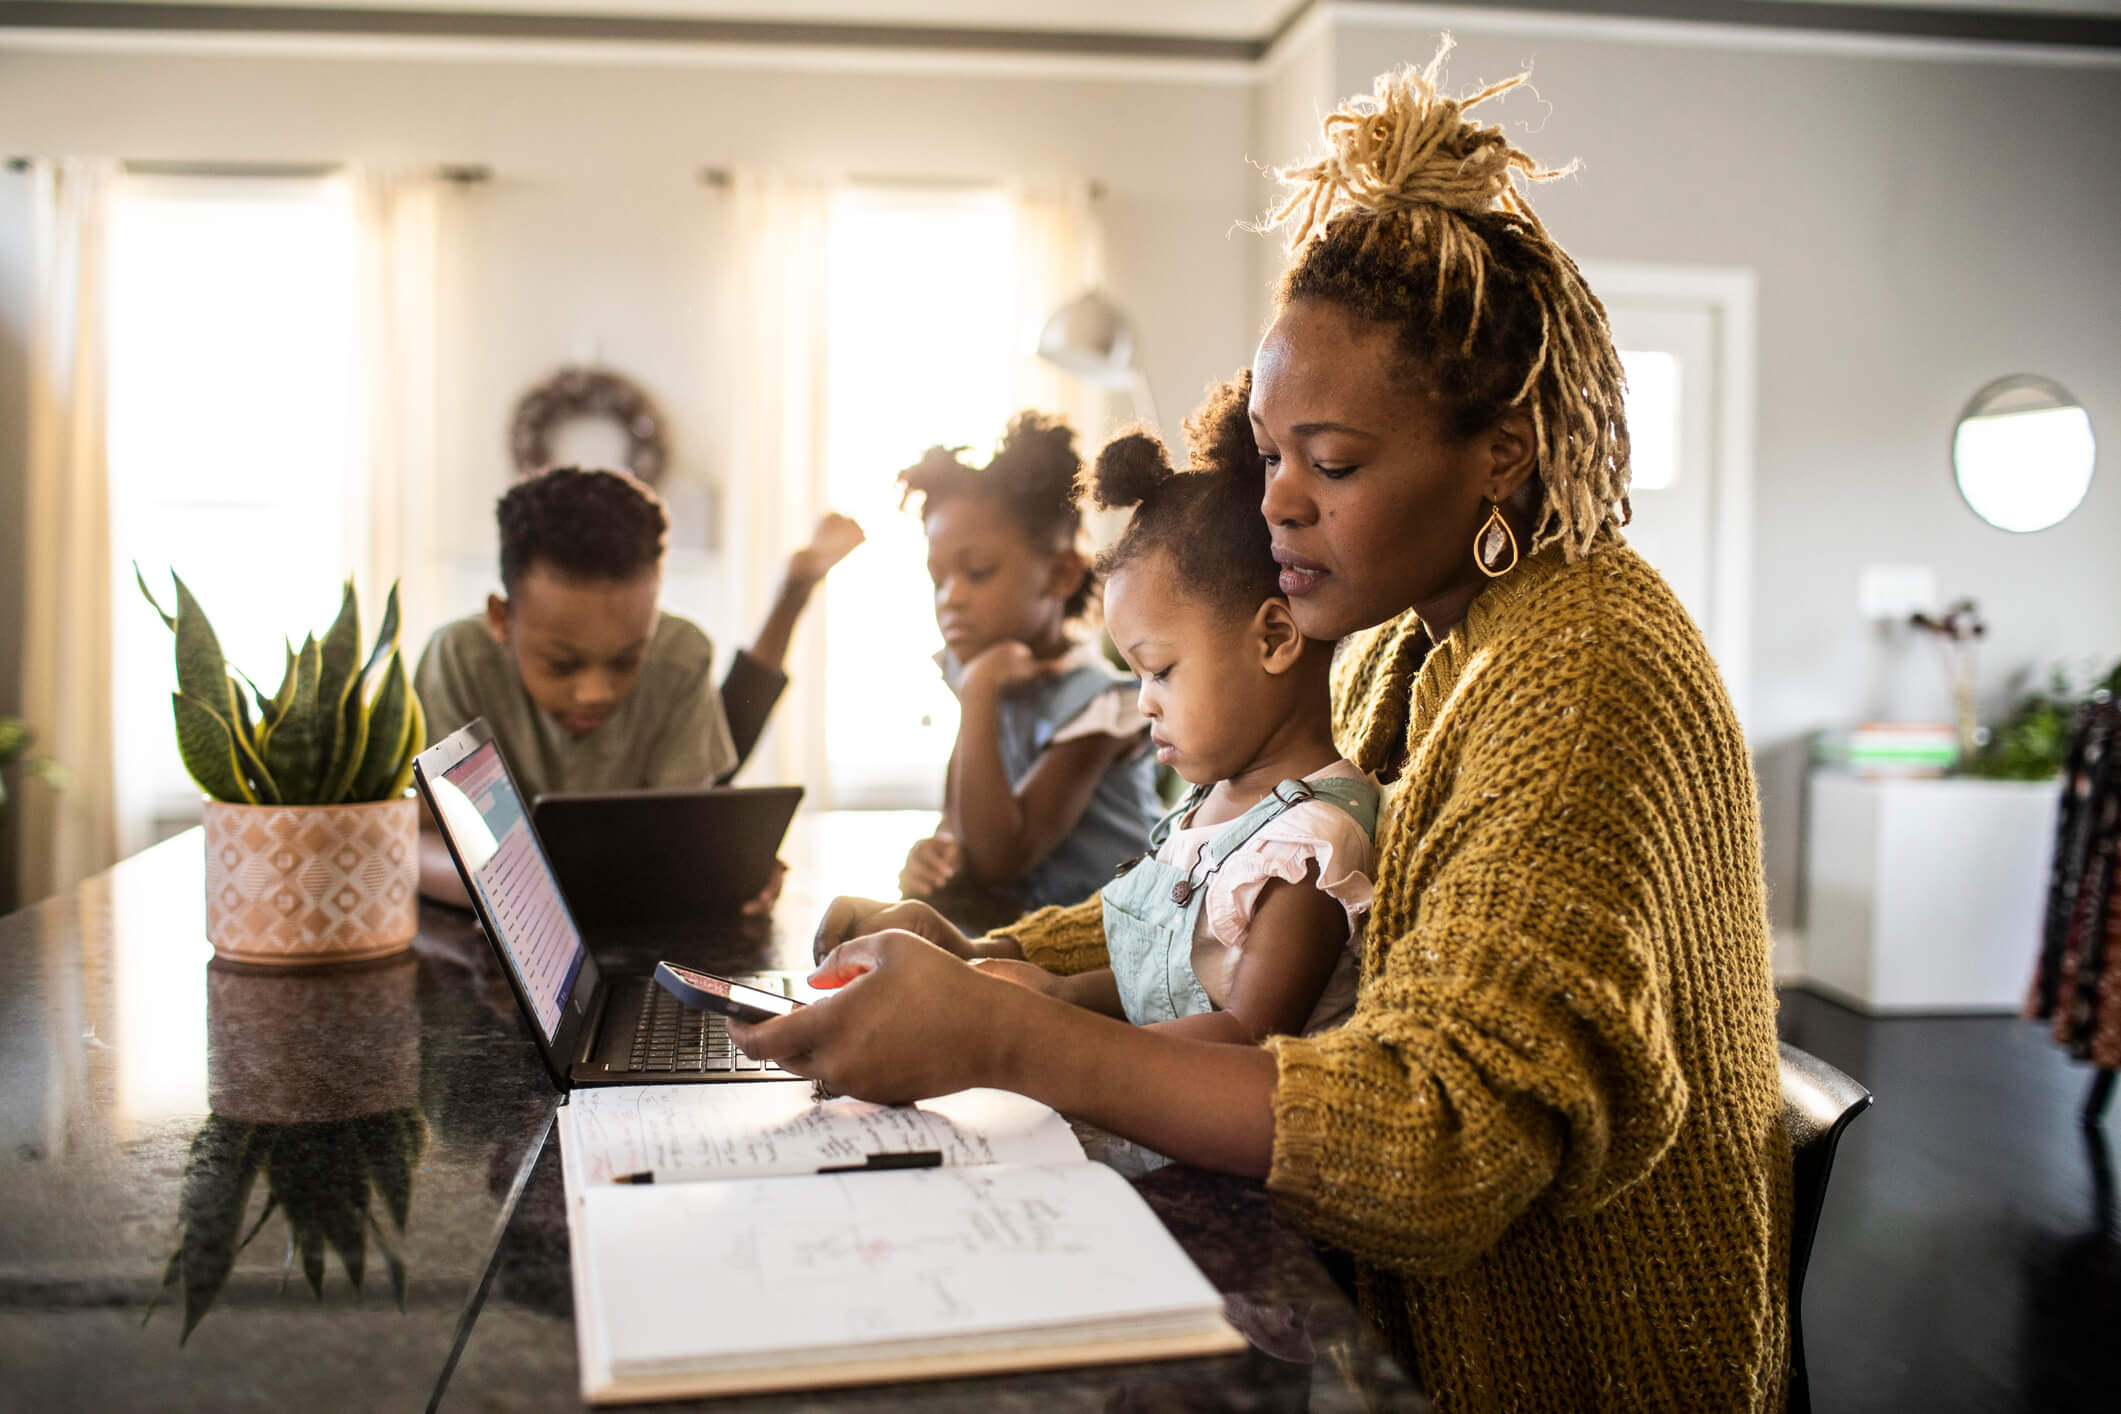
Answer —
(159, 1106)
(142, 1084)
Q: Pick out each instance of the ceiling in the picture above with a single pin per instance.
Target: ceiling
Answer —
(1226, 19)
(1224, 30)
(1222, 19)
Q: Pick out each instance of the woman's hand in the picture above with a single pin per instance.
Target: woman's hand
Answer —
(909, 1022)
(930, 864)
(1028, 975)
(848, 917)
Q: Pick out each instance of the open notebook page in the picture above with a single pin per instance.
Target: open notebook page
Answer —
(761, 1130)
(839, 1268)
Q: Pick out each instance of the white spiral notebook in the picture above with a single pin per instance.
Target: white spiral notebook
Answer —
(742, 1269)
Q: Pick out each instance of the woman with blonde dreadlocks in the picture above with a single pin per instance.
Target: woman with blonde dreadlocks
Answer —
(1550, 1133)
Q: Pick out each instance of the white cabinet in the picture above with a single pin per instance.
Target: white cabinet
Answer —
(1926, 895)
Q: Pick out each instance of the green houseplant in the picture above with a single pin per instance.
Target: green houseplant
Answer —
(16, 739)
(2032, 743)
(312, 843)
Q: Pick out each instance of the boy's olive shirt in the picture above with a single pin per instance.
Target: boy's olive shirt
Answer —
(670, 732)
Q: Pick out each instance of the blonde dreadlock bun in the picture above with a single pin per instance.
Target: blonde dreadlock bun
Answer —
(1413, 218)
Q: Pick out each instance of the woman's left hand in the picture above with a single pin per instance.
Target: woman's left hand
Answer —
(908, 1022)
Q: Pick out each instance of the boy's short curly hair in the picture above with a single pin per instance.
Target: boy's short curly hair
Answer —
(1031, 476)
(1206, 518)
(583, 523)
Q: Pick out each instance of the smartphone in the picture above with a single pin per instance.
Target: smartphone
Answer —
(711, 993)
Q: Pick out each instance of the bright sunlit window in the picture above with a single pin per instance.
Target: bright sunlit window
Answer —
(1653, 408)
(232, 384)
(920, 351)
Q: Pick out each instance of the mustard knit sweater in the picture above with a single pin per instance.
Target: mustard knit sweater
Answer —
(1551, 1134)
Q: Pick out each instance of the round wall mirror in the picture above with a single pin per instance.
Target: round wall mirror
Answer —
(2023, 453)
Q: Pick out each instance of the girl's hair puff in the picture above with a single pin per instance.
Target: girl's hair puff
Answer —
(1206, 519)
(1031, 476)
(1413, 219)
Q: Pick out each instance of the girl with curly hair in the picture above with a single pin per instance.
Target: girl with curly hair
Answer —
(1050, 782)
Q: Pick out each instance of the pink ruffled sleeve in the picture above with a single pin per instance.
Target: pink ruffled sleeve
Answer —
(1284, 849)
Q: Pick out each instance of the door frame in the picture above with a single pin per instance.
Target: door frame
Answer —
(1731, 294)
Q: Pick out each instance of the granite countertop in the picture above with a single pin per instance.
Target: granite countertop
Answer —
(338, 1189)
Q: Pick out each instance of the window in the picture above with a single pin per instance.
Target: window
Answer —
(921, 348)
(1685, 337)
(1667, 349)
(1653, 407)
(231, 437)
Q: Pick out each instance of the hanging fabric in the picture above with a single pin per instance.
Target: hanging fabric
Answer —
(2077, 989)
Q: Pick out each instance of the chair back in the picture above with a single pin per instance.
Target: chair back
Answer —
(1818, 1101)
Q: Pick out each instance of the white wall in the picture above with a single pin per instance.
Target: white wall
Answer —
(1297, 88)
(1917, 228)
(596, 232)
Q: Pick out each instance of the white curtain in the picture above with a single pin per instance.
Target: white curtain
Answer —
(397, 220)
(1059, 255)
(781, 227)
(775, 479)
(70, 835)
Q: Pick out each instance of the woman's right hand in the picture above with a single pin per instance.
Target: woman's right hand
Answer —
(853, 917)
(930, 864)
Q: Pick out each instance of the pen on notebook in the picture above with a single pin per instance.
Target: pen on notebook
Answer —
(904, 1159)
(874, 1163)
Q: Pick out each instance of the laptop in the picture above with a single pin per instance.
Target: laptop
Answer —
(626, 858)
(590, 1028)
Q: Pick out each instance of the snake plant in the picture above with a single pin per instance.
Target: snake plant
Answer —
(338, 731)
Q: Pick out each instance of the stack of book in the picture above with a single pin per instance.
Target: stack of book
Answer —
(1889, 749)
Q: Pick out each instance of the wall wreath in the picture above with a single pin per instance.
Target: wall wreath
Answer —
(588, 392)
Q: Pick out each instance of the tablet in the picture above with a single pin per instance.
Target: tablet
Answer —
(663, 856)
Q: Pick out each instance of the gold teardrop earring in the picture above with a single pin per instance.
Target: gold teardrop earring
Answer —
(1489, 541)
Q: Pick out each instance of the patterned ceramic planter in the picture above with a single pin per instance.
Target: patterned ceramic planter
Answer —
(290, 885)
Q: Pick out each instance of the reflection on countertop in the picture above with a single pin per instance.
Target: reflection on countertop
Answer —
(204, 1166)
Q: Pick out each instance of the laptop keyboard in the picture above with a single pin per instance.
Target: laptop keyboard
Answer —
(674, 1038)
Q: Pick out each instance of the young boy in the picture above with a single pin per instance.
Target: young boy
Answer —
(586, 684)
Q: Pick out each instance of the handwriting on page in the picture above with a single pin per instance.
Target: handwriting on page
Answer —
(861, 1259)
(763, 1130)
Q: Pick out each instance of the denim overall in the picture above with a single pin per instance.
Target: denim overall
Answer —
(1151, 908)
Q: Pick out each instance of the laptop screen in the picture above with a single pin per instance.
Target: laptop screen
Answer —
(478, 806)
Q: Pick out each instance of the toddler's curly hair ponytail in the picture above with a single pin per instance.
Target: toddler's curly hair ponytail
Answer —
(1205, 518)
